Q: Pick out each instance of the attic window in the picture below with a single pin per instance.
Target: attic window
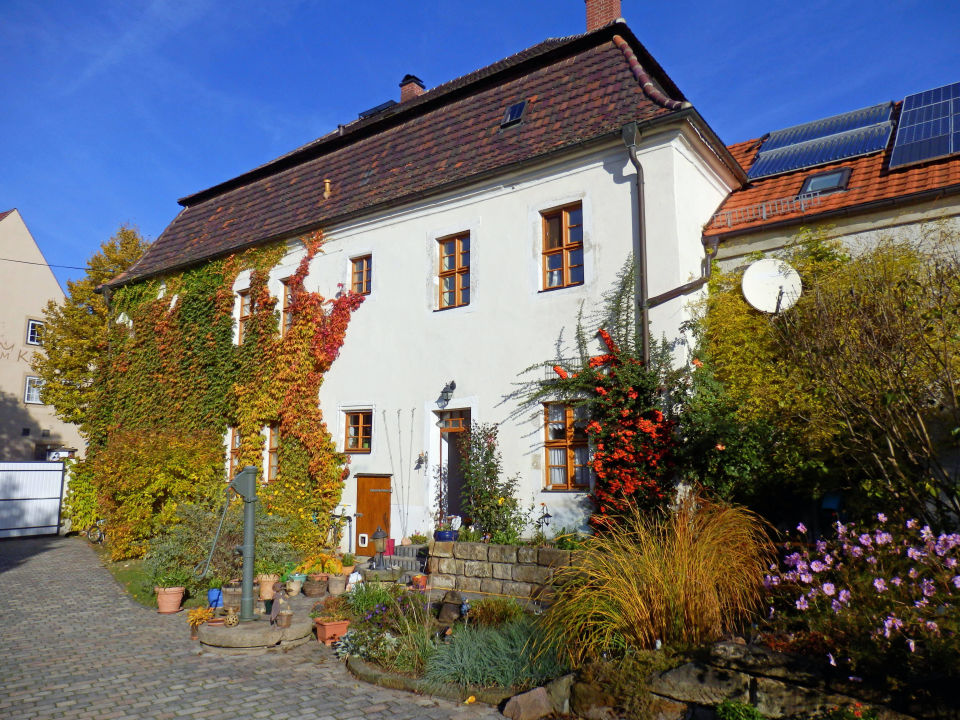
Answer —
(826, 182)
(514, 114)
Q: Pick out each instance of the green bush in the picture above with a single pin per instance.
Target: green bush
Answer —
(489, 500)
(501, 657)
(366, 596)
(733, 710)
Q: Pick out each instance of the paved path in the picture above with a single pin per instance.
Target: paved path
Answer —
(73, 645)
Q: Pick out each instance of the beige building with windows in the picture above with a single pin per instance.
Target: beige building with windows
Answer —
(29, 430)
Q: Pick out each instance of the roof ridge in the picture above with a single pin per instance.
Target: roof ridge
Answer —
(646, 82)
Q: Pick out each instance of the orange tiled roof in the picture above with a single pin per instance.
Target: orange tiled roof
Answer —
(870, 183)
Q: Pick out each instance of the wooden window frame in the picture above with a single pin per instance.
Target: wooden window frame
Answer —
(361, 274)
(569, 444)
(233, 452)
(273, 453)
(360, 420)
(565, 248)
(286, 300)
(246, 312)
(458, 272)
(35, 332)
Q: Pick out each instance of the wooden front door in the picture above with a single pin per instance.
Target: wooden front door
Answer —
(373, 510)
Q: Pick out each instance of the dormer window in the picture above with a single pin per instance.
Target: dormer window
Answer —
(514, 114)
(826, 182)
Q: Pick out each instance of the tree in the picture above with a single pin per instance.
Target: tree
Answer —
(76, 332)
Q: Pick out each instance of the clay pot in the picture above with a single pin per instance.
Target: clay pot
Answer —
(318, 577)
(337, 584)
(266, 585)
(169, 599)
(419, 582)
(347, 569)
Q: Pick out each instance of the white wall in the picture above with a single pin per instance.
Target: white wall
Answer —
(400, 350)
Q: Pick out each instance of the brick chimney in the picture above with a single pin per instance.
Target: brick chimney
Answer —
(410, 87)
(601, 12)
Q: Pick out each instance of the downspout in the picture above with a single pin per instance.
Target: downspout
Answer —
(630, 134)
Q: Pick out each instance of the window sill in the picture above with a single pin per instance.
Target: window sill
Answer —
(578, 491)
(452, 307)
(561, 287)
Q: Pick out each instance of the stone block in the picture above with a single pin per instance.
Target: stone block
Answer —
(759, 660)
(495, 587)
(441, 549)
(532, 574)
(531, 705)
(527, 555)
(776, 699)
(433, 564)
(702, 684)
(468, 584)
(551, 557)
(502, 553)
(450, 566)
(477, 568)
(544, 594)
(662, 708)
(517, 589)
(470, 551)
(502, 571)
(443, 582)
(559, 691)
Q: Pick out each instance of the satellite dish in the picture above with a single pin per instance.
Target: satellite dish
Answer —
(771, 285)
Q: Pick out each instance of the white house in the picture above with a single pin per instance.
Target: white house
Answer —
(477, 218)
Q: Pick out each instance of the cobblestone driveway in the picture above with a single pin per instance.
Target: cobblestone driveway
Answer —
(73, 645)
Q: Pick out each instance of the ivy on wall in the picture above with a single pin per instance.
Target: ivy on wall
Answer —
(175, 371)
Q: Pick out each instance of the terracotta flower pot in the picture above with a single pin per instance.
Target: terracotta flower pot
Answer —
(347, 569)
(169, 599)
(419, 582)
(266, 585)
(337, 584)
(328, 632)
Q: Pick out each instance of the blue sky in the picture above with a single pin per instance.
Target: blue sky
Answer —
(113, 109)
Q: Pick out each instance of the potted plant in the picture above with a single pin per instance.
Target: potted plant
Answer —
(331, 620)
(267, 573)
(337, 582)
(170, 586)
(215, 593)
(349, 562)
(445, 531)
(197, 617)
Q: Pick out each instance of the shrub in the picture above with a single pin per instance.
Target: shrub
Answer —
(733, 710)
(366, 596)
(418, 539)
(183, 546)
(493, 612)
(877, 602)
(686, 577)
(501, 657)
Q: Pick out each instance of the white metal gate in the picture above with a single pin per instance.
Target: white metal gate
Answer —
(30, 494)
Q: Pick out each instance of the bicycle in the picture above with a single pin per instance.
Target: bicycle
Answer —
(97, 533)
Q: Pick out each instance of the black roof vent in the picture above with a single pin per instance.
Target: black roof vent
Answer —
(378, 109)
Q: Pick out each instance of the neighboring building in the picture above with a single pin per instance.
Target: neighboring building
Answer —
(891, 169)
(29, 430)
(478, 218)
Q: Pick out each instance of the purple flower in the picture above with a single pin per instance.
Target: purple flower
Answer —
(881, 517)
(844, 596)
(932, 627)
(890, 624)
(911, 524)
(872, 560)
(927, 587)
(896, 581)
(817, 566)
(831, 660)
(956, 581)
(829, 589)
(821, 546)
(802, 603)
(921, 603)
(835, 604)
(856, 551)
(911, 645)
(879, 584)
(926, 533)
(915, 555)
(912, 574)
(883, 538)
(950, 562)
(801, 528)
(806, 578)
(865, 540)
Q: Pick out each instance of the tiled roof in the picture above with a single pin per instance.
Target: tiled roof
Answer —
(577, 89)
(871, 183)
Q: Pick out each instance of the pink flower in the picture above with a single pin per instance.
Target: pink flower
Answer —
(880, 584)
(829, 589)
(881, 517)
(817, 566)
(866, 540)
(801, 528)
(844, 596)
(911, 524)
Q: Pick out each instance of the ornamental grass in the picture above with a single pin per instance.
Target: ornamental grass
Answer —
(683, 579)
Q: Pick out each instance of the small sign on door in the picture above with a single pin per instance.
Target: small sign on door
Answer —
(362, 540)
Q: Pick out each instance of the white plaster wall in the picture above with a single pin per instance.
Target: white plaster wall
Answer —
(400, 350)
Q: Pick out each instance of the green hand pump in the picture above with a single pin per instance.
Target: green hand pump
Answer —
(245, 485)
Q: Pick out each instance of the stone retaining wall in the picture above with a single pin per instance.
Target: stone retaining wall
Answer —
(521, 572)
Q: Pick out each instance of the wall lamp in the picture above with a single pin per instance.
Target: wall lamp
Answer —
(446, 394)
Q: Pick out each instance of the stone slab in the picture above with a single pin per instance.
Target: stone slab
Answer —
(256, 634)
(470, 551)
(702, 684)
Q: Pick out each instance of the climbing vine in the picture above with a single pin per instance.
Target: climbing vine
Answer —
(175, 372)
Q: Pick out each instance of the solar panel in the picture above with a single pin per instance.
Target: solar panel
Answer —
(821, 149)
(929, 126)
(829, 126)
